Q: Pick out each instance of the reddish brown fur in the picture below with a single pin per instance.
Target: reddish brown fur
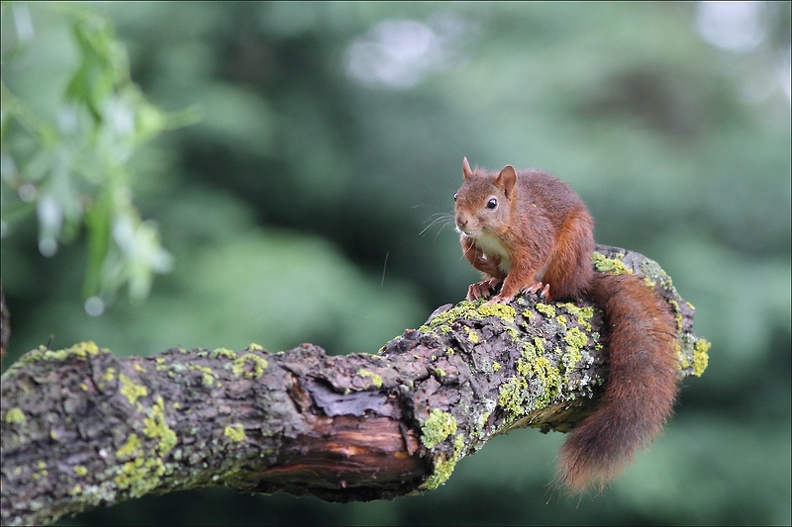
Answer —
(544, 228)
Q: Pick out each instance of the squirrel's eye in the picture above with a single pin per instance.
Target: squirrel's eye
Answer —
(492, 204)
(455, 196)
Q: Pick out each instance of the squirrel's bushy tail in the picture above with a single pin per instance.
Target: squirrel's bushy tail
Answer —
(640, 389)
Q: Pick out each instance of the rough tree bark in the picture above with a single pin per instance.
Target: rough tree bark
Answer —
(82, 428)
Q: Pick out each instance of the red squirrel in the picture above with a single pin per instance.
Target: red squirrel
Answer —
(529, 232)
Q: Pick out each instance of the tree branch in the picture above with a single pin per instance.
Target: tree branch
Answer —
(82, 428)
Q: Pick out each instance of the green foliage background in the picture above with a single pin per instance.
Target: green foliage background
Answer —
(302, 204)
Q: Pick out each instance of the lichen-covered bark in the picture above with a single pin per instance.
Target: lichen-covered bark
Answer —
(82, 428)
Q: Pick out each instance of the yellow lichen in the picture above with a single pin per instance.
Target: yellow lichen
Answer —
(472, 335)
(609, 265)
(576, 338)
(130, 449)
(376, 380)
(511, 397)
(207, 378)
(130, 389)
(700, 356)
(155, 426)
(443, 469)
(224, 353)
(15, 415)
(240, 365)
(439, 426)
(583, 314)
(109, 374)
(141, 475)
(546, 309)
(235, 432)
(503, 311)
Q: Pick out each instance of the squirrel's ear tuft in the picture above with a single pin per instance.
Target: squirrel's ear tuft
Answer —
(466, 169)
(506, 180)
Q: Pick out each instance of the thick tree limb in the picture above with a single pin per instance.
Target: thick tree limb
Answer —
(82, 428)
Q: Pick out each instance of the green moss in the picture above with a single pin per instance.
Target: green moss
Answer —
(440, 372)
(138, 367)
(259, 365)
(80, 471)
(76, 490)
(609, 265)
(376, 380)
(496, 366)
(255, 347)
(130, 449)
(700, 356)
(155, 427)
(546, 309)
(15, 415)
(235, 432)
(437, 428)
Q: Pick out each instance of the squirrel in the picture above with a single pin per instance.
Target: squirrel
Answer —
(528, 231)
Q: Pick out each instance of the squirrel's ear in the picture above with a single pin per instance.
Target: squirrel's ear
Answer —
(506, 180)
(466, 169)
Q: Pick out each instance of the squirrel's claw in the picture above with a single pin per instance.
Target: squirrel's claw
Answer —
(483, 289)
(536, 286)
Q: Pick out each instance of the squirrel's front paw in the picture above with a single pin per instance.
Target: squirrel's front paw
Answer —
(483, 289)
